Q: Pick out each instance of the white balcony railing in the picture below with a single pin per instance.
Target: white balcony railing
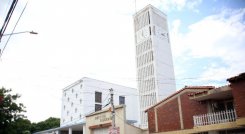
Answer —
(215, 118)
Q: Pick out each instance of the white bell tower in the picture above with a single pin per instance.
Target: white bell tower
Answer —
(155, 71)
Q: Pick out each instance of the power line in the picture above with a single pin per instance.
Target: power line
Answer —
(12, 30)
(6, 21)
(6, 8)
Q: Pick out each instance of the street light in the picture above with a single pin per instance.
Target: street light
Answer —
(1, 50)
(31, 32)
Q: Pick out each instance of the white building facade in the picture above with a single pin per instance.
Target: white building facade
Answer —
(89, 95)
(155, 71)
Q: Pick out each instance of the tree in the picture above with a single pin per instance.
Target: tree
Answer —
(12, 121)
(21, 126)
(49, 123)
(10, 112)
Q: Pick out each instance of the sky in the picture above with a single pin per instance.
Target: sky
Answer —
(95, 39)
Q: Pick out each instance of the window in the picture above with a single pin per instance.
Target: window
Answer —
(68, 99)
(64, 107)
(67, 112)
(72, 90)
(121, 100)
(229, 105)
(75, 110)
(80, 101)
(98, 97)
(71, 118)
(71, 103)
(222, 105)
(148, 16)
(76, 95)
(98, 107)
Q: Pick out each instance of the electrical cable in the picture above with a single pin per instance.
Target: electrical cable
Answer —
(13, 30)
(6, 7)
(6, 21)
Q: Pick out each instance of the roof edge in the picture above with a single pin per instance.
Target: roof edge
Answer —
(237, 78)
(179, 91)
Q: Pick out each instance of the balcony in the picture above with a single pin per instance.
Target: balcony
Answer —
(215, 118)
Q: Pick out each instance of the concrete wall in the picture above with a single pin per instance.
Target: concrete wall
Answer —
(102, 119)
(78, 100)
(129, 129)
(163, 61)
(72, 108)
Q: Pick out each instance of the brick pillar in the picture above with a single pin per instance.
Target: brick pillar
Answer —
(238, 91)
(237, 84)
(151, 120)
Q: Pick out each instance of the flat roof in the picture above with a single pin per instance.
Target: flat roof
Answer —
(76, 126)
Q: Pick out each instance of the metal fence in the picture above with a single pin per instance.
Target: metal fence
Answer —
(215, 118)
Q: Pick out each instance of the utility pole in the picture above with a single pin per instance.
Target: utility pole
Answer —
(112, 109)
(113, 129)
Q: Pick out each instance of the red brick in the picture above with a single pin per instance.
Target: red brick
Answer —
(151, 120)
(238, 91)
(168, 116)
(189, 109)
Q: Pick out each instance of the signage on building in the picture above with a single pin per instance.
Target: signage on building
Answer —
(115, 130)
(102, 118)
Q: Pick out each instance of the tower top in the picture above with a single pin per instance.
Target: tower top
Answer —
(148, 7)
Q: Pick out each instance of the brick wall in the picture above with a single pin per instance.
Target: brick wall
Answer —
(238, 91)
(168, 116)
(191, 108)
(151, 120)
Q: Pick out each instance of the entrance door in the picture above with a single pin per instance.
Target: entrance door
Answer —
(100, 131)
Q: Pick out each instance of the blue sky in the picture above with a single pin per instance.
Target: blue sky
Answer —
(95, 39)
(202, 9)
(204, 64)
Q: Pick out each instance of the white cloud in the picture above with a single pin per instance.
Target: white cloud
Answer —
(192, 4)
(174, 4)
(219, 36)
(76, 39)
(169, 5)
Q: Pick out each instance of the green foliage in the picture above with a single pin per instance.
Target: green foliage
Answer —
(44, 125)
(10, 114)
(21, 126)
(12, 121)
